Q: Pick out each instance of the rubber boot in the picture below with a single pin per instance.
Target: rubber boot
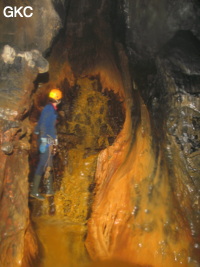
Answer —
(34, 192)
(49, 186)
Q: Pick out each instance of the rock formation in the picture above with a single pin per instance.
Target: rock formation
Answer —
(128, 161)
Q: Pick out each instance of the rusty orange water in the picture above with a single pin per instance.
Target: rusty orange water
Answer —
(61, 242)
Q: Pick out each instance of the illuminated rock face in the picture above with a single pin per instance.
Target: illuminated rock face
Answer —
(135, 211)
(146, 209)
(90, 122)
(136, 177)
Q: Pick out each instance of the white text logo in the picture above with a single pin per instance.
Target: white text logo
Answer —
(13, 12)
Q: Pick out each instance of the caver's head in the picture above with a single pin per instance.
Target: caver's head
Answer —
(55, 95)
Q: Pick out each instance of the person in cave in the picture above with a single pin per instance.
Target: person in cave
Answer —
(46, 129)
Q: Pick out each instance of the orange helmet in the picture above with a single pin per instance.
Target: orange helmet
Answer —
(55, 94)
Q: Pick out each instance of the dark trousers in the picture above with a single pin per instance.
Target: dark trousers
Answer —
(46, 160)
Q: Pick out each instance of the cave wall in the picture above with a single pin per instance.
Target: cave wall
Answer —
(162, 44)
(178, 65)
(18, 71)
(22, 42)
(148, 179)
(162, 41)
(120, 175)
(36, 32)
(150, 24)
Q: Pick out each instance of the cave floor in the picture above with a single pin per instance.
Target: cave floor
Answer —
(61, 243)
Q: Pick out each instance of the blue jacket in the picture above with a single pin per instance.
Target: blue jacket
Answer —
(47, 122)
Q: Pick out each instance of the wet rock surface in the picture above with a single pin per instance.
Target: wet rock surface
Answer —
(178, 66)
(17, 73)
(133, 168)
(91, 118)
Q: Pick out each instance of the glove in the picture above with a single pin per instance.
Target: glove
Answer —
(43, 145)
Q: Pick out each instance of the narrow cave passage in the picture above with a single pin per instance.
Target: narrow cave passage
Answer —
(92, 122)
(112, 181)
(126, 173)
(90, 119)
